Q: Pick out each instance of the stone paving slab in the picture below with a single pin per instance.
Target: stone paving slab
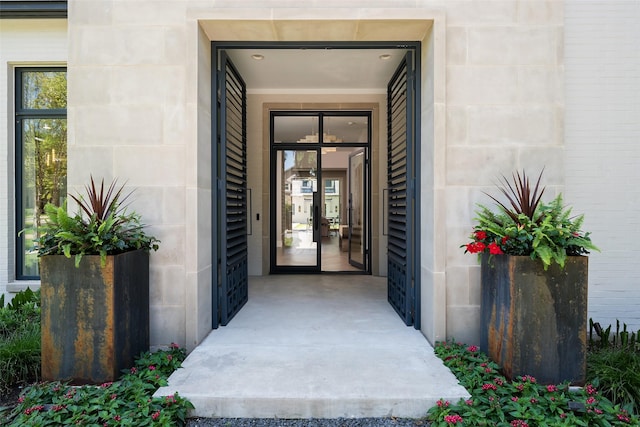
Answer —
(314, 347)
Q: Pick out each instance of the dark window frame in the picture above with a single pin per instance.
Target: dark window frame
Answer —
(33, 9)
(20, 115)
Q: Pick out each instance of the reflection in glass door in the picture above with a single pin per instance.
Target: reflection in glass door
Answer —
(319, 183)
(297, 208)
(357, 208)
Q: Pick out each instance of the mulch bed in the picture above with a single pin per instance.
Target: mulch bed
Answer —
(9, 398)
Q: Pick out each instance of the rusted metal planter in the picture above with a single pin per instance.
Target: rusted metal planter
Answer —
(95, 320)
(534, 322)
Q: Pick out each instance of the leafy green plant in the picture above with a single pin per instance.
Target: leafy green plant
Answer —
(616, 373)
(102, 226)
(604, 338)
(20, 356)
(20, 339)
(127, 402)
(521, 403)
(614, 364)
(530, 227)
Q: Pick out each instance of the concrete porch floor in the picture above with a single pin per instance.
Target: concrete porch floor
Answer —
(325, 346)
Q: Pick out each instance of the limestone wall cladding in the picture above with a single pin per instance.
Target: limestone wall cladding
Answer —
(134, 114)
(31, 42)
(504, 112)
(138, 110)
(602, 135)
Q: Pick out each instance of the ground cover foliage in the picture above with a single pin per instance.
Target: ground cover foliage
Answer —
(612, 397)
(19, 340)
(614, 364)
(127, 402)
(521, 403)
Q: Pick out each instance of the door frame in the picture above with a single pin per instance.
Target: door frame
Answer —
(272, 184)
(416, 47)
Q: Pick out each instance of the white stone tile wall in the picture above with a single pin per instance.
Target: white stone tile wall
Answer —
(31, 42)
(494, 94)
(504, 112)
(602, 148)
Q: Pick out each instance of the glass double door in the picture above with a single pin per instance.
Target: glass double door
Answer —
(319, 188)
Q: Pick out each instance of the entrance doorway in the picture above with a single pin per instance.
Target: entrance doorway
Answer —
(320, 191)
(329, 200)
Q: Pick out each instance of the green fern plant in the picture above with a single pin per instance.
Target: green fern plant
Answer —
(102, 226)
(530, 227)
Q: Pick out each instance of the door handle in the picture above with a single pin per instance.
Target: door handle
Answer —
(316, 217)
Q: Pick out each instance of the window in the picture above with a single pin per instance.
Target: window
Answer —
(41, 156)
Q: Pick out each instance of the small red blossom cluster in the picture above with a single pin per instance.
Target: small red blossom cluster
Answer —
(624, 416)
(590, 389)
(472, 348)
(481, 243)
(155, 415)
(33, 409)
(443, 403)
(453, 419)
(519, 423)
(489, 386)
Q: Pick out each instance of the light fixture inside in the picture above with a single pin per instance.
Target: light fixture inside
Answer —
(385, 56)
(257, 57)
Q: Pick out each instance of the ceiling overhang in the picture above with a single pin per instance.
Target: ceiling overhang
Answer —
(331, 71)
(330, 30)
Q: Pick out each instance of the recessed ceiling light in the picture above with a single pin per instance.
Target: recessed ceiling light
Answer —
(385, 56)
(257, 57)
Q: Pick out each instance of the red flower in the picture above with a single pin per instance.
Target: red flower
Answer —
(494, 249)
(504, 239)
(476, 247)
(453, 419)
(591, 390)
(480, 235)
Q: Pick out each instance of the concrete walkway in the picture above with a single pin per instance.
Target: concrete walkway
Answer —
(314, 347)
